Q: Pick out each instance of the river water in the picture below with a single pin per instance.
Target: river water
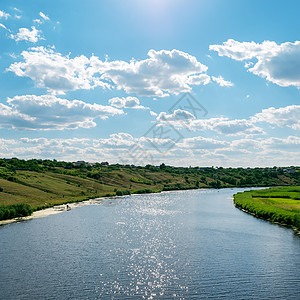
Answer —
(177, 245)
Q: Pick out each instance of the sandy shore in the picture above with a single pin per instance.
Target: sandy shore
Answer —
(54, 210)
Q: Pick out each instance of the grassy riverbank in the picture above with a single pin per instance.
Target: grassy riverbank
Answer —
(279, 204)
(44, 183)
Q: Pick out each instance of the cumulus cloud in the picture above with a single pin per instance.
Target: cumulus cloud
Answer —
(43, 16)
(200, 142)
(4, 15)
(291, 143)
(126, 102)
(196, 150)
(178, 115)
(247, 143)
(25, 34)
(163, 73)
(181, 118)
(199, 79)
(121, 139)
(46, 112)
(235, 127)
(283, 117)
(221, 81)
(55, 72)
(279, 64)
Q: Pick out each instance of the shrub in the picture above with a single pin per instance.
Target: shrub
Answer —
(15, 211)
(144, 191)
(122, 193)
(140, 180)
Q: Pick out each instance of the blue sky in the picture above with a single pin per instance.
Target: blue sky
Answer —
(99, 81)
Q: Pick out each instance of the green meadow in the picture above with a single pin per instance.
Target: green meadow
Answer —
(278, 204)
(45, 183)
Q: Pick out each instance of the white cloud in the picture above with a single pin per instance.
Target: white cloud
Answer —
(25, 34)
(199, 79)
(197, 151)
(200, 142)
(55, 72)
(181, 118)
(4, 15)
(249, 144)
(283, 117)
(290, 143)
(121, 139)
(126, 102)
(43, 18)
(46, 18)
(178, 115)
(3, 26)
(244, 50)
(236, 127)
(11, 118)
(46, 112)
(221, 81)
(163, 73)
(152, 113)
(279, 64)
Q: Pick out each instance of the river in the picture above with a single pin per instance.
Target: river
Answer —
(177, 245)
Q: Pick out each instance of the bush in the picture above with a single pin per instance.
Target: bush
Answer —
(15, 211)
(1, 189)
(122, 193)
(140, 180)
(7, 175)
(144, 191)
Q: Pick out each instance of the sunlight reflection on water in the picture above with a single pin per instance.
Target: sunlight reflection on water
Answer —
(175, 245)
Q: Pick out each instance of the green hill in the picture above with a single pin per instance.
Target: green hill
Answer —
(44, 183)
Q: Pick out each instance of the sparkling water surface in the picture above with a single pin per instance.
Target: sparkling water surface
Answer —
(176, 245)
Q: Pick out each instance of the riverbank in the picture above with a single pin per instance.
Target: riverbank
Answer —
(279, 205)
(64, 207)
(42, 213)
(44, 183)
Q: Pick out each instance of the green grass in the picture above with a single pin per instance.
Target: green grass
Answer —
(280, 204)
(45, 183)
(45, 189)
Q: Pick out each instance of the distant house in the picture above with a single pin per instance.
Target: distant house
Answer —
(79, 162)
(289, 171)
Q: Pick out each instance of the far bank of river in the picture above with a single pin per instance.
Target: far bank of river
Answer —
(56, 209)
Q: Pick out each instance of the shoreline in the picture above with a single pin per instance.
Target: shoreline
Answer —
(60, 208)
(267, 212)
(296, 230)
(54, 210)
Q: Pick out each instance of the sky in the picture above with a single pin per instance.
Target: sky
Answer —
(185, 83)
